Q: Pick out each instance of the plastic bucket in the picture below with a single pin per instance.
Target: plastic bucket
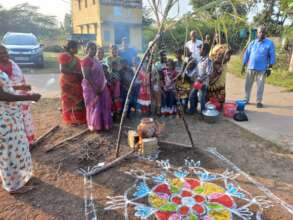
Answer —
(229, 109)
(216, 103)
(240, 105)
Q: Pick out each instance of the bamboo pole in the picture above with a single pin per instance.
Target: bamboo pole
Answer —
(66, 140)
(111, 164)
(161, 26)
(44, 136)
(181, 112)
(175, 144)
(128, 94)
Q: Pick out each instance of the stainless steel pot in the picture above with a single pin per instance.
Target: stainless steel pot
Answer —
(211, 114)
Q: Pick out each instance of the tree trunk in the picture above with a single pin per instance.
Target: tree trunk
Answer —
(291, 64)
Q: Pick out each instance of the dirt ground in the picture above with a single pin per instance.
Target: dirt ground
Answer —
(59, 192)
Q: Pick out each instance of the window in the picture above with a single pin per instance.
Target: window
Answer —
(121, 31)
(117, 11)
(85, 3)
(88, 29)
(79, 4)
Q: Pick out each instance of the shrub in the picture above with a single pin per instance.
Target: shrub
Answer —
(54, 49)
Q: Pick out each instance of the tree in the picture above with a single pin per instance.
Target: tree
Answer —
(275, 13)
(26, 18)
(67, 24)
(149, 31)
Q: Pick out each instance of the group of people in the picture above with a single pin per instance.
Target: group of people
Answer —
(94, 89)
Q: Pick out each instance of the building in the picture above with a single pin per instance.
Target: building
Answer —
(109, 20)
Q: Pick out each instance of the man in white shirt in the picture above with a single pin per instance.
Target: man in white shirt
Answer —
(194, 46)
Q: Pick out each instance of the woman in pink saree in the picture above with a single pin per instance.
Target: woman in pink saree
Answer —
(95, 91)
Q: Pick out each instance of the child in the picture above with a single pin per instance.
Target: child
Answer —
(127, 75)
(115, 81)
(157, 82)
(113, 57)
(144, 97)
(161, 64)
(179, 60)
(205, 68)
(169, 102)
(183, 90)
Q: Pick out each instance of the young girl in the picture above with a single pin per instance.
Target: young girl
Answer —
(169, 102)
(183, 90)
(115, 89)
(144, 97)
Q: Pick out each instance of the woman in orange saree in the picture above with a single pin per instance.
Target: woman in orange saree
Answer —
(72, 103)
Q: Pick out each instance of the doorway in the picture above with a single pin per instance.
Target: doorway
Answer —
(121, 30)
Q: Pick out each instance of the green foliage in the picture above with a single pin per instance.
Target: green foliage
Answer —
(274, 15)
(26, 18)
(224, 18)
(280, 74)
(54, 49)
(67, 24)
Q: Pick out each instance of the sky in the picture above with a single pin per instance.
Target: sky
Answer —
(59, 8)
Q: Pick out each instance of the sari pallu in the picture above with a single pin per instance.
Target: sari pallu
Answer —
(98, 107)
(17, 79)
(73, 108)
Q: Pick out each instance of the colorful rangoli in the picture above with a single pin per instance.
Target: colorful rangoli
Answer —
(187, 193)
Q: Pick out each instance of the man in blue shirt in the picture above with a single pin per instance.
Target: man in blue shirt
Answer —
(126, 52)
(259, 58)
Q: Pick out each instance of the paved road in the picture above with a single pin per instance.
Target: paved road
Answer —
(274, 122)
(46, 84)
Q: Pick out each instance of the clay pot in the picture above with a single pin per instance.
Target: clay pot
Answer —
(147, 128)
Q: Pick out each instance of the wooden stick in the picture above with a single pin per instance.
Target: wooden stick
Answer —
(111, 164)
(58, 170)
(66, 140)
(44, 136)
(181, 113)
(129, 93)
(175, 144)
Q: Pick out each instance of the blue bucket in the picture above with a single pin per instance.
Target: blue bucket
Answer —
(240, 105)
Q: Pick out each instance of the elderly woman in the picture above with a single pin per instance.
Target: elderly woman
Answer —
(220, 55)
(19, 84)
(73, 108)
(15, 158)
(95, 91)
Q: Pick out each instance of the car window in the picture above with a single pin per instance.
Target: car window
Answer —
(20, 40)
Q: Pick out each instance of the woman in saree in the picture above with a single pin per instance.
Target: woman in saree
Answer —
(95, 91)
(19, 84)
(15, 157)
(114, 63)
(72, 103)
(220, 55)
